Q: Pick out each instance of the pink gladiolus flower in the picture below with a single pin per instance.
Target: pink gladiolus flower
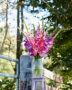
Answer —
(38, 43)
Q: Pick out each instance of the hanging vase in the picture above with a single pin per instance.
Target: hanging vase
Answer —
(37, 68)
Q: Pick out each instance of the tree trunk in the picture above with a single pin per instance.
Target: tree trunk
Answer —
(18, 37)
(6, 29)
(19, 34)
(22, 26)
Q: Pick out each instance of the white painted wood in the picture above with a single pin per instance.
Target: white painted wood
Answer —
(52, 76)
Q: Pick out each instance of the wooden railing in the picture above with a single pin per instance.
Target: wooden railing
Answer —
(50, 75)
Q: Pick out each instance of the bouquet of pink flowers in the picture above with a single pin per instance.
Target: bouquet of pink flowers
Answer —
(38, 44)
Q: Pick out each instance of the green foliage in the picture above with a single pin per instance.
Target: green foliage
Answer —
(66, 86)
(50, 83)
(61, 54)
(35, 3)
(60, 12)
(9, 50)
(7, 67)
(7, 84)
(61, 57)
(61, 18)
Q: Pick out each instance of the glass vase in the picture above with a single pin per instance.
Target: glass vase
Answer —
(37, 68)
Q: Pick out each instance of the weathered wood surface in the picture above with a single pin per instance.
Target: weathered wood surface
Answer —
(52, 76)
(26, 74)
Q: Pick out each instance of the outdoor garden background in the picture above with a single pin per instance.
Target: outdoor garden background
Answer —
(57, 16)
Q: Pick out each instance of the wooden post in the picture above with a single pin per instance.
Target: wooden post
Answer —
(25, 72)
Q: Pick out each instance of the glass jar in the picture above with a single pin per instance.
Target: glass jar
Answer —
(37, 68)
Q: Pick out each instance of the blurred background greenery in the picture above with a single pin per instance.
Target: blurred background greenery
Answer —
(57, 18)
